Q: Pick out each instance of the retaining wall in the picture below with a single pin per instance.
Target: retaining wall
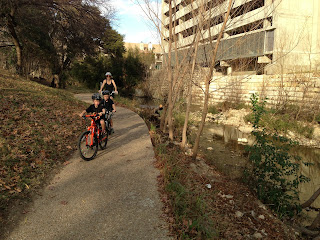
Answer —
(280, 89)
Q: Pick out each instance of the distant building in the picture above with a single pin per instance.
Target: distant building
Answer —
(262, 36)
(148, 47)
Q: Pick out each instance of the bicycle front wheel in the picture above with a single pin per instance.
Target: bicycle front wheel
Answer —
(88, 146)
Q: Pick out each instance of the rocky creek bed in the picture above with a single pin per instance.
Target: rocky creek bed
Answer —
(224, 139)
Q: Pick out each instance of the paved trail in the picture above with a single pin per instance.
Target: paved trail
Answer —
(111, 197)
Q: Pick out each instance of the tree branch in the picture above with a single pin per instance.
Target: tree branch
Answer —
(311, 199)
(8, 45)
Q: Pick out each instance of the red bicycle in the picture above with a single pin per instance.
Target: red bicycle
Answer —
(90, 139)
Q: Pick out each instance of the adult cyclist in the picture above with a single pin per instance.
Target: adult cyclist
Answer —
(109, 84)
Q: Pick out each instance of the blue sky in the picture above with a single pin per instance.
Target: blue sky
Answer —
(132, 22)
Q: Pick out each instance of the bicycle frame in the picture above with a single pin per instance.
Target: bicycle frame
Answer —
(93, 128)
(108, 117)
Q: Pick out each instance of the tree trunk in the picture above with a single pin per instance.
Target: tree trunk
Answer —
(189, 92)
(163, 117)
(186, 120)
(15, 39)
(170, 103)
(207, 84)
(203, 118)
(170, 120)
(311, 199)
(316, 222)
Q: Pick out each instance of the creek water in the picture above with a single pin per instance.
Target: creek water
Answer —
(233, 163)
(229, 135)
(144, 102)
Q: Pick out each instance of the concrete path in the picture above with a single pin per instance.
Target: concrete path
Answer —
(111, 197)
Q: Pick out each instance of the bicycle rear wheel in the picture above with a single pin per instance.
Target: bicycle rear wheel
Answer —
(87, 150)
(104, 140)
(109, 127)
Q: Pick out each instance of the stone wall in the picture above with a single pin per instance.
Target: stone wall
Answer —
(279, 89)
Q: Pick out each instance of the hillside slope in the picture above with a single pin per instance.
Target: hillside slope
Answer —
(38, 131)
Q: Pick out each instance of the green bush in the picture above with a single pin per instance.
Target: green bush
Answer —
(317, 118)
(90, 72)
(240, 105)
(127, 71)
(179, 119)
(275, 174)
(249, 118)
(281, 123)
(212, 109)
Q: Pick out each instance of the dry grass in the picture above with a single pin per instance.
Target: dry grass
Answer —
(196, 212)
(39, 130)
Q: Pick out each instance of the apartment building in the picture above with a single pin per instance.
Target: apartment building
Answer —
(261, 36)
(146, 48)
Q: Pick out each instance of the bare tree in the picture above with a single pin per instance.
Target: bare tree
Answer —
(208, 31)
(208, 81)
(176, 60)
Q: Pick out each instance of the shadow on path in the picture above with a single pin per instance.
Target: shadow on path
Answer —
(113, 196)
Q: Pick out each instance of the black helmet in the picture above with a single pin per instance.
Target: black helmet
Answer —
(106, 92)
(96, 96)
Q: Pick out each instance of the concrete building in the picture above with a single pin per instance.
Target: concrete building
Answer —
(147, 48)
(261, 36)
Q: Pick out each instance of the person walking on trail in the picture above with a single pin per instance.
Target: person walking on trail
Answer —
(109, 85)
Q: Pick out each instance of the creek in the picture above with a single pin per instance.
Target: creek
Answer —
(216, 135)
(220, 144)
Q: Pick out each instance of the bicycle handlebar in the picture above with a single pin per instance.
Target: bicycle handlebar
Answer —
(109, 113)
(91, 116)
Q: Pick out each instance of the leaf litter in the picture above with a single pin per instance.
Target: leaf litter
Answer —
(38, 131)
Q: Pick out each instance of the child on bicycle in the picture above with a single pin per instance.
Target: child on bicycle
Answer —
(97, 108)
(108, 105)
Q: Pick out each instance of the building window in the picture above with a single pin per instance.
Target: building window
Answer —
(190, 31)
(213, 22)
(245, 8)
(174, 24)
(246, 28)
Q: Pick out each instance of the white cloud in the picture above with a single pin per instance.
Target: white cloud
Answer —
(132, 21)
(142, 36)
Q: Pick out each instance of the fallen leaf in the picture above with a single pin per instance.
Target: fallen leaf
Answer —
(64, 202)
(185, 222)
(66, 163)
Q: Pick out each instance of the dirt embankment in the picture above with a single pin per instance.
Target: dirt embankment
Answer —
(38, 132)
(201, 202)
